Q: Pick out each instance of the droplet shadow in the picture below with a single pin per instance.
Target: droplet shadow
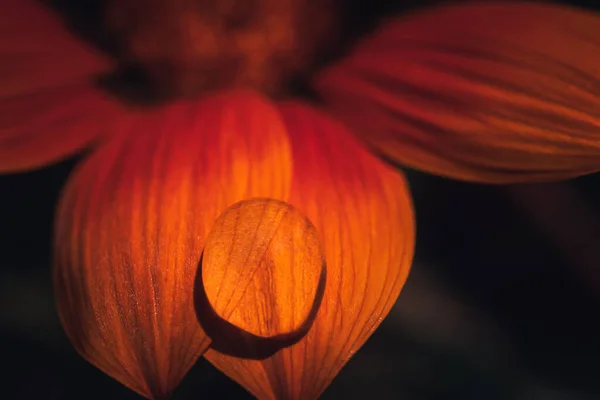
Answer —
(230, 340)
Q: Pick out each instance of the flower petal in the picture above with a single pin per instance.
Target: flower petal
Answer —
(49, 107)
(41, 128)
(39, 52)
(132, 223)
(481, 91)
(363, 213)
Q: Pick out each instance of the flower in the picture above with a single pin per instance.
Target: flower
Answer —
(490, 92)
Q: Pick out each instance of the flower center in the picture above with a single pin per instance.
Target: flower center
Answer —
(187, 46)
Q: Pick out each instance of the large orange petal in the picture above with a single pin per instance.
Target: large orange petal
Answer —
(363, 213)
(49, 107)
(132, 223)
(481, 91)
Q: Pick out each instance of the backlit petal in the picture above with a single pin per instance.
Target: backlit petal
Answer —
(49, 106)
(480, 91)
(132, 223)
(363, 214)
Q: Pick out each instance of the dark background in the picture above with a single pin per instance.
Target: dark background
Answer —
(502, 301)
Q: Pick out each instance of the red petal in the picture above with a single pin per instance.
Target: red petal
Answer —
(42, 128)
(39, 52)
(49, 106)
(363, 214)
(132, 224)
(481, 91)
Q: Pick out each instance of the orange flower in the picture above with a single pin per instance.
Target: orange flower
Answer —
(264, 234)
